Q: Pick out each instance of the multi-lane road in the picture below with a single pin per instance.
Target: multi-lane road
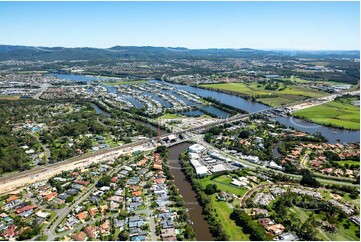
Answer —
(10, 182)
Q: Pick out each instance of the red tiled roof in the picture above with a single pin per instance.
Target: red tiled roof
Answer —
(25, 208)
(79, 236)
(81, 216)
(10, 232)
(91, 231)
(81, 182)
(12, 198)
(50, 196)
(93, 211)
(137, 193)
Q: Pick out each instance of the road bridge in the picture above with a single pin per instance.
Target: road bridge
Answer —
(20, 179)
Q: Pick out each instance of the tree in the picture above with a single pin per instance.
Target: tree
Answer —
(189, 232)
(124, 235)
(308, 179)
(308, 229)
(69, 199)
(104, 181)
(210, 189)
(244, 134)
(354, 194)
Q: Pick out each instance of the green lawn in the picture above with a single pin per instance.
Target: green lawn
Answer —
(349, 162)
(344, 234)
(333, 113)
(354, 201)
(224, 209)
(301, 214)
(223, 183)
(241, 88)
(171, 116)
(274, 101)
(110, 141)
(286, 96)
(234, 232)
(42, 238)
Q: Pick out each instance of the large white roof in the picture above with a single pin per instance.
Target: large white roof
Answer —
(201, 170)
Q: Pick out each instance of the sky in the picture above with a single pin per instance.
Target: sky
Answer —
(260, 25)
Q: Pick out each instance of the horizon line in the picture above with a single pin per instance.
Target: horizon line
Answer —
(174, 47)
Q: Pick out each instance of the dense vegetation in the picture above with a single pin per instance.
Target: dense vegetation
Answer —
(249, 225)
(204, 200)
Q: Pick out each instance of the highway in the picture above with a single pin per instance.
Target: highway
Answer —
(20, 179)
(43, 88)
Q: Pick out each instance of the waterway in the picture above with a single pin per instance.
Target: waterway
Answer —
(200, 224)
(152, 127)
(98, 110)
(333, 135)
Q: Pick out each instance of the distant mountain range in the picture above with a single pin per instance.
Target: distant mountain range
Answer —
(10, 52)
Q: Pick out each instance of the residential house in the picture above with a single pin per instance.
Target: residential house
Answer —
(81, 236)
(276, 229)
(91, 231)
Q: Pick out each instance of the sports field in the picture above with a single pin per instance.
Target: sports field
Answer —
(334, 114)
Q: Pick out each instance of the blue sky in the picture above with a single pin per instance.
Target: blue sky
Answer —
(262, 25)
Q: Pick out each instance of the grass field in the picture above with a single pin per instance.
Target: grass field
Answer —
(286, 96)
(275, 101)
(344, 234)
(10, 98)
(301, 214)
(223, 183)
(333, 113)
(355, 201)
(234, 232)
(349, 162)
(224, 209)
(171, 116)
(116, 83)
(341, 235)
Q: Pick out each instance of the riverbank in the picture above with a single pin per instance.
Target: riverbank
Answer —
(189, 196)
(333, 114)
(217, 213)
(256, 92)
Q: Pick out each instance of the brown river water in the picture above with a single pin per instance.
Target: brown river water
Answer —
(200, 225)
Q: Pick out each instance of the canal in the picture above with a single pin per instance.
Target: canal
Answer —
(200, 224)
(333, 135)
(98, 110)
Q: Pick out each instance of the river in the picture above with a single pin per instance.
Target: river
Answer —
(333, 135)
(200, 225)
